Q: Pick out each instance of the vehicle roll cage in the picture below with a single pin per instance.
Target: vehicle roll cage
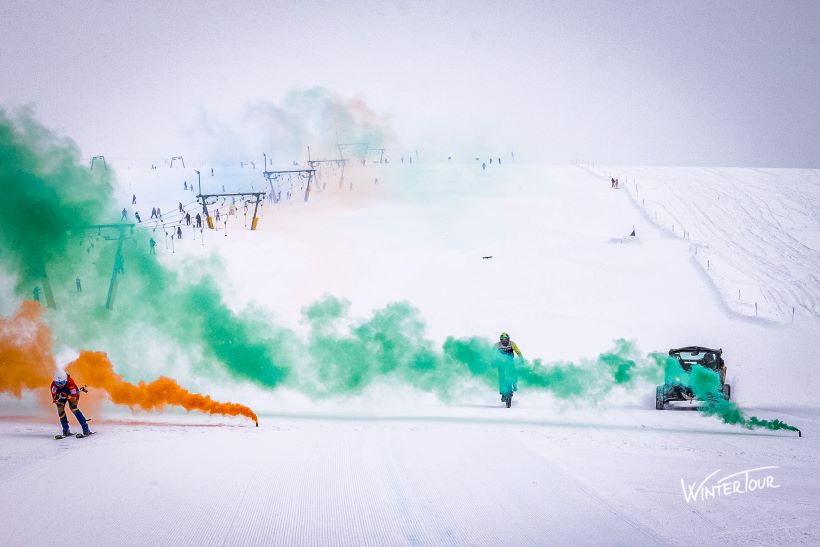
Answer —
(686, 364)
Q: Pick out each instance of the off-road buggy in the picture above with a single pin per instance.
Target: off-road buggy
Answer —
(674, 388)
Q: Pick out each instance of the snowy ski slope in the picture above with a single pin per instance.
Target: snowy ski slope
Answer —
(397, 467)
(756, 232)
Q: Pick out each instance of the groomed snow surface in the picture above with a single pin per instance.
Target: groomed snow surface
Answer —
(397, 467)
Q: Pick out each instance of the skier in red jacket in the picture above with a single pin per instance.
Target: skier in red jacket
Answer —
(63, 389)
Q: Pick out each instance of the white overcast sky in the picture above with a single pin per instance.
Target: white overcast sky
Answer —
(650, 82)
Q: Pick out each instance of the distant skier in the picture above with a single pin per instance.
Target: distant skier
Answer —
(217, 215)
(133, 199)
(153, 245)
(124, 214)
(507, 377)
(78, 284)
(198, 220)
(63, 389)
(137, 214)
(180, 206)
(188, 219)
(612, 181)
(179, 232)
(185, 185)
(483, 166)
(36, 293)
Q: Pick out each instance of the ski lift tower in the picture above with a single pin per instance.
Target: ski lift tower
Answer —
(340, 163)
(302, 175)
(360, 147)
(95, 159)
(380, 151)
(259, 196)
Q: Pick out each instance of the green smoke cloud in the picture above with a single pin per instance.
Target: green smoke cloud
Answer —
(705, 385)
(49, 202)
(344, 358)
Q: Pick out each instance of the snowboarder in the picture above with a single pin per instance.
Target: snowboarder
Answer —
(507, 378)
(63, 389)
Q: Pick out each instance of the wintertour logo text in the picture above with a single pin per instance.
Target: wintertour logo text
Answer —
(741, 482)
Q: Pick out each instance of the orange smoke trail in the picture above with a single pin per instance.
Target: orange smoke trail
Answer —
(26, 362)
(94, 368)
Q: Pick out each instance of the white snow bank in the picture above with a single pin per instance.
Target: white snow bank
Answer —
(756, 232)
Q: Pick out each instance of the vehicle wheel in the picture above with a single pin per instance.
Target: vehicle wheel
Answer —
(659, 398)
(727, 392)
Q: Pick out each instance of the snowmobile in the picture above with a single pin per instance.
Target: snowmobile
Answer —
(674, 389)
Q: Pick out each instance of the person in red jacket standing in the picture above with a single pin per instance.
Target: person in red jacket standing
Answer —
(63, 389)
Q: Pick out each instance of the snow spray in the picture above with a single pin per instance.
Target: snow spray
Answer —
(27, 364)
(705, 385)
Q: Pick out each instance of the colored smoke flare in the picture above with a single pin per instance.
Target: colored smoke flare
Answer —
(705, 385)
(94, 369)
(26, 362)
